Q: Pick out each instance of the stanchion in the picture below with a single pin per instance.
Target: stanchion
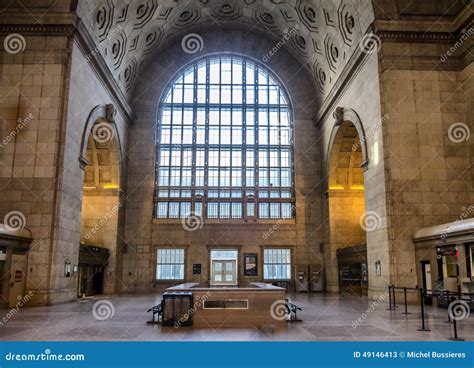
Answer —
(406, 303)
(422, 303)
(455, 338)
(447, 301)
(394, 302)
(390, 298)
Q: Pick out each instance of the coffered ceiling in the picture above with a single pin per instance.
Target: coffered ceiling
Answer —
(321, 34)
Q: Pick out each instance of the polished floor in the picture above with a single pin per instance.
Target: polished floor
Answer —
(325, 317)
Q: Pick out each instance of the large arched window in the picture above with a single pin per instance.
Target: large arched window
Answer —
(225, 143)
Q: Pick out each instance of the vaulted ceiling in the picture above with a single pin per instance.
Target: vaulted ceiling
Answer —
(322, 34)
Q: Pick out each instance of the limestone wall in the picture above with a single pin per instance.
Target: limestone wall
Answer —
(51, 88)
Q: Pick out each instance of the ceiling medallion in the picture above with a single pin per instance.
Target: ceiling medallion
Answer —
(310, 13)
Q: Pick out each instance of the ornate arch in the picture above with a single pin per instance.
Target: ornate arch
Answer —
(101, 114)
(341, 115)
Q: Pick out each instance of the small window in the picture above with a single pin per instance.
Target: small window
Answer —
(170, 264)
(277, 264)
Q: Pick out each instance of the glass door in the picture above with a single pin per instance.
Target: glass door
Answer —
(224, 267)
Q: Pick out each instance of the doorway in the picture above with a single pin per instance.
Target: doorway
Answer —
(427, 282)
(224, 267)
(17, 279)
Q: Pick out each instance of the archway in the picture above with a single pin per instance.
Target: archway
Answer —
(101, 203)
(346, 253)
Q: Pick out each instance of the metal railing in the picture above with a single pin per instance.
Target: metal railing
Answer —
(423, 293)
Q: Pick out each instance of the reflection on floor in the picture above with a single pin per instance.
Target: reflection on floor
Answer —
(326, 317)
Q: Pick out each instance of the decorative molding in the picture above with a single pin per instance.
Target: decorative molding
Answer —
(341, 115)
(39, 30)
(90, 51)
(349, 73)
(98, 113)
(413, 37)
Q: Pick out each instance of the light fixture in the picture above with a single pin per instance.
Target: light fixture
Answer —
(378, 268)
(111, 186)
(67, 268)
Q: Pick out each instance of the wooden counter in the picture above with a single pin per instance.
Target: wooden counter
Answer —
(255, 305)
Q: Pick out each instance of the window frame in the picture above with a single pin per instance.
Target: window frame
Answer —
(206, 174)
(290, 265)
(171, 280)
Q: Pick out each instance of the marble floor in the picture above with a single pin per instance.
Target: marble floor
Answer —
(325, 317)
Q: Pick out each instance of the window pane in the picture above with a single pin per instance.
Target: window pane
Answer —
(210, 133)
(170, 264)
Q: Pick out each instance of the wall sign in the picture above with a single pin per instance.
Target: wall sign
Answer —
(250, 264)
(196, 268)
(18, 275)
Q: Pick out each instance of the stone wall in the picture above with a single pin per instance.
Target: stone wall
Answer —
(33, 94)
(144, 234)
(362, 96)
(49, 89)
(429, 173)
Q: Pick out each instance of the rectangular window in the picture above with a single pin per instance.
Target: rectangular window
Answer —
(170, 264)
(277, 264)
(212, 210)
(236, 210)
(162, 210)
(224, 210)
(263, 210)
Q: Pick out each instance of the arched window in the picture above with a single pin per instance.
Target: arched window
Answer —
(225, 143)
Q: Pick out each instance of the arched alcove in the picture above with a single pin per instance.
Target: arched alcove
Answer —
(101, 160)
(346, 253)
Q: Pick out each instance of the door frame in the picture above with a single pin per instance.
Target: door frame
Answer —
(236, 261)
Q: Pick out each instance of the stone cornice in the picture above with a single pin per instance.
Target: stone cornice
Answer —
(94, 57)
(414, 36)
(38, 30)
